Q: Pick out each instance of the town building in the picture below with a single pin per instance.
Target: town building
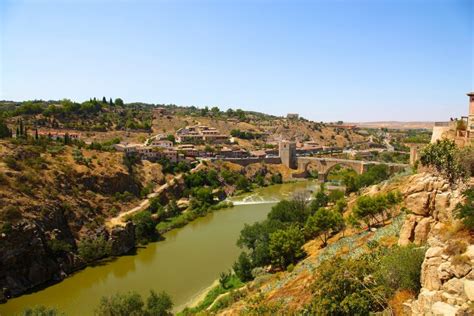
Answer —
(292, 116)
(200, 134)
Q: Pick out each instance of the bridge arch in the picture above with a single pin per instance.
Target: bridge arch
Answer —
(324, 166)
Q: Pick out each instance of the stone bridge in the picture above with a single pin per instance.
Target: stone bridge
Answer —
(324, 165)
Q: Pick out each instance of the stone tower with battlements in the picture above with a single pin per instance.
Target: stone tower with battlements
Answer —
(288, 154)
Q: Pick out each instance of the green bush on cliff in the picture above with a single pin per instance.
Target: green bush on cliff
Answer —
(144, 227)
(91, 249)
(445, 157)
(364, 284)
(465, 210)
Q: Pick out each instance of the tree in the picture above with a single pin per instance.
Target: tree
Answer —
(159, 304)
(285, 246)
(243, 184)
(323, 223)
(224, 278)
(368, 208)
(118, 102)
(144, 226)
(104, 100)
(111, 103)
(215, 111)
(41, 311)
(4, 130)
(289, 211)
(171, 138)
(121, 305)
(444, 156)
(243, 267)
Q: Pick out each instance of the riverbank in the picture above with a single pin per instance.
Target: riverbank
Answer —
(179, 264)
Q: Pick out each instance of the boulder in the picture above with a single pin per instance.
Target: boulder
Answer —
(429, 273)
(122, 239)
(444, 309)
(407, 231)
(442, 206)
(419, 203)
(461, 270)
(469, 289)
(454, 286)
(422, 230)
(434, 252)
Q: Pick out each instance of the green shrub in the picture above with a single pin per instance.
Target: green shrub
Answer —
(91, 249)
(465, 211)
(12, 163)
(10, 213)
(58, 246)
(41, 311)
(144, 227)
(445, 157)
(243, 267)
(400, 269)
(131, 304)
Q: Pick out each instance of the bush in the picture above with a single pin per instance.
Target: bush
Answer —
(444, 156)
(243, 267)
(41, 311)
(465, 211)
(131, 304)
(144, 227)
(58, 246)
(91, 249)
(400, 269)
(10, 214)
(363, 285)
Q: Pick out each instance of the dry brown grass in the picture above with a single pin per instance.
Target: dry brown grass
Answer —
(455, 247)
(396, 302)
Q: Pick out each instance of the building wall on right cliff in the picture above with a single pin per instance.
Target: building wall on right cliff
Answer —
(471, 112)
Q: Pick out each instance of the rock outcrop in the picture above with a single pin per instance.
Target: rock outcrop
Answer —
(447, 275)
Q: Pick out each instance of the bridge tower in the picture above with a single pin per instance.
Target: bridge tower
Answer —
(288, 154)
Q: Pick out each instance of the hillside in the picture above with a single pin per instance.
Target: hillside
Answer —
(424, 216)
(51, 197)
(104, 120)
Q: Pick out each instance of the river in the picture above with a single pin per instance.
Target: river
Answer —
(184, 265)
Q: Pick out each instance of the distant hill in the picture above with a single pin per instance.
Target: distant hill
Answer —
(395, 125)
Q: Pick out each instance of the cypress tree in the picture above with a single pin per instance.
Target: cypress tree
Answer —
(36, 134)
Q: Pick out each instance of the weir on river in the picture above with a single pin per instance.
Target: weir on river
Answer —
(184, 265)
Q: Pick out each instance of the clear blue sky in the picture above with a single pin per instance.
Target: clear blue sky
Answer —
(328, 60)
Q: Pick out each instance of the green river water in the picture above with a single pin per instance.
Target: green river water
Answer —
(184, 265)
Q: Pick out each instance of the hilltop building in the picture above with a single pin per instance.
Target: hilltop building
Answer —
(200, 134)
(292, 116)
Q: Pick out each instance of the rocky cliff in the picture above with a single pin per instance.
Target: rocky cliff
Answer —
(51, 200)
(447, 276)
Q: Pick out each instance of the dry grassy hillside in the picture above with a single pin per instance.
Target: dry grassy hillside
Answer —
(87, 187)
(274, 129)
